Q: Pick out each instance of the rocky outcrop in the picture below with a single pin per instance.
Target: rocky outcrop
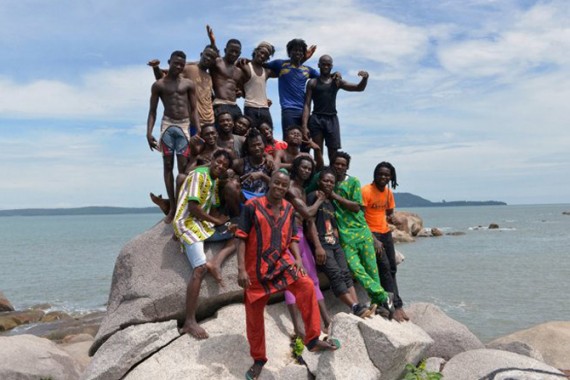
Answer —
(450, 337)
(12, 319)
(406, 226)
(29, 357)
(128, 347)
(62, 327)
(373, 349)
(149, 284)
(495, 364)
(5, 304)
(551, 340)
(493, 226)
(517, 347)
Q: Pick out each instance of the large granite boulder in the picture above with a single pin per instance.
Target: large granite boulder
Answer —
(5, 304)
(495, 364)
(149, 284)
(517, 347)
(29, 357)
(225, 354)
(408, 222)
(128, 347)
(450, 336)
(372, 348)
(551, 340)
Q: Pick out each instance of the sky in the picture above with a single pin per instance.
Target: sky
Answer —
(468, 99)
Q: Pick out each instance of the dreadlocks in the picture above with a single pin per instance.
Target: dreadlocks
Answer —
(385, 164)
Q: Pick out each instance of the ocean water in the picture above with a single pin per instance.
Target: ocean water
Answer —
(493, 281)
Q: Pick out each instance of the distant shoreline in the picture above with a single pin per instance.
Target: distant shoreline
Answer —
(403, 200)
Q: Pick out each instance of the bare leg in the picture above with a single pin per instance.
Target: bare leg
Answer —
(191, 326)
(215, 265)
(349, 298)
(325, 316)
(318, 139)
(163, 204)
(168, 164)
(296, 319)
(400, 315)
(331, 153)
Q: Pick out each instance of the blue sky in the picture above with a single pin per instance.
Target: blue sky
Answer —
(468, 99)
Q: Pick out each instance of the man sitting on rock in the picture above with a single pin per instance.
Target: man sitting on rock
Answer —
(194, 223)
(266, 232)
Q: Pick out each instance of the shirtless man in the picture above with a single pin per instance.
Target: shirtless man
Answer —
(197, 72)
(178, 95)
(323, 123)
(294, 138)
(226, 77)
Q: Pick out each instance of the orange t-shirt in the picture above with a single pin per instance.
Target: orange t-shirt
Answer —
(376, 203)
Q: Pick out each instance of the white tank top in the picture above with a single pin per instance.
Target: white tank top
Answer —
(255, 95)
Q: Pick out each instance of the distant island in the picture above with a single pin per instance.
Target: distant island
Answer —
(402, 200)
(412, 200)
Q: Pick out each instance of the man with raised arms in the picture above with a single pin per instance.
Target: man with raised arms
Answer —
(178, 95)
(265, 233)
(256, 104)
(226, 77)
(197, 72)
(293, 76)
(323, 122)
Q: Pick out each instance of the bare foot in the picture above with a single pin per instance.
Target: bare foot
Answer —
(163, 204)
(194, 329)
(216, 272)
(168, 218)
(254, 371)
(400, 315)
(322, 345)
(327, 329)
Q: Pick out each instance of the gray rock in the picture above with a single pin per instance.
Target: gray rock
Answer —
(551, 340)
(79, 351)
(128, 347)
(225, 354)
(392, 345)
(493, 226)
(350, 360)
(5, 304)
(434, 364)
(436, 232)
(495, 364)
(149, 284)
(29, 357)
(450, 337)
(517, 347)
(294, 372)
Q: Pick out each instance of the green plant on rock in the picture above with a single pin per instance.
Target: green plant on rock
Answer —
(420, 373)
(297, 347)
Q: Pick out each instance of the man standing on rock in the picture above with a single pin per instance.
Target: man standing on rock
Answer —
(379, 204)
(355, 236)
(193, 224)
(178, 95)
(266, 232)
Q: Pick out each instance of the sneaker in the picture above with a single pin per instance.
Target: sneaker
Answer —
(361, 311)
(383, 312)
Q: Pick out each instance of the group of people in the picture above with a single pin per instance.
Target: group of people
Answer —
(285, 214)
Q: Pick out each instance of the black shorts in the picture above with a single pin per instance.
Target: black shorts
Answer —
(258, 115)
(326, 126)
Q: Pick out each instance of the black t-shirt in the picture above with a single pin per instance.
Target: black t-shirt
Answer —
(325, 221)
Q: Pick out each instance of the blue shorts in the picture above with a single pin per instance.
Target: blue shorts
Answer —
(174, 141)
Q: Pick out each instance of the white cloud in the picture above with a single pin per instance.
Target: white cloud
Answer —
(118, 93)
(539, 36)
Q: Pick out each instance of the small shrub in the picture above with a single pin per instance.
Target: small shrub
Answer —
(420, 373)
